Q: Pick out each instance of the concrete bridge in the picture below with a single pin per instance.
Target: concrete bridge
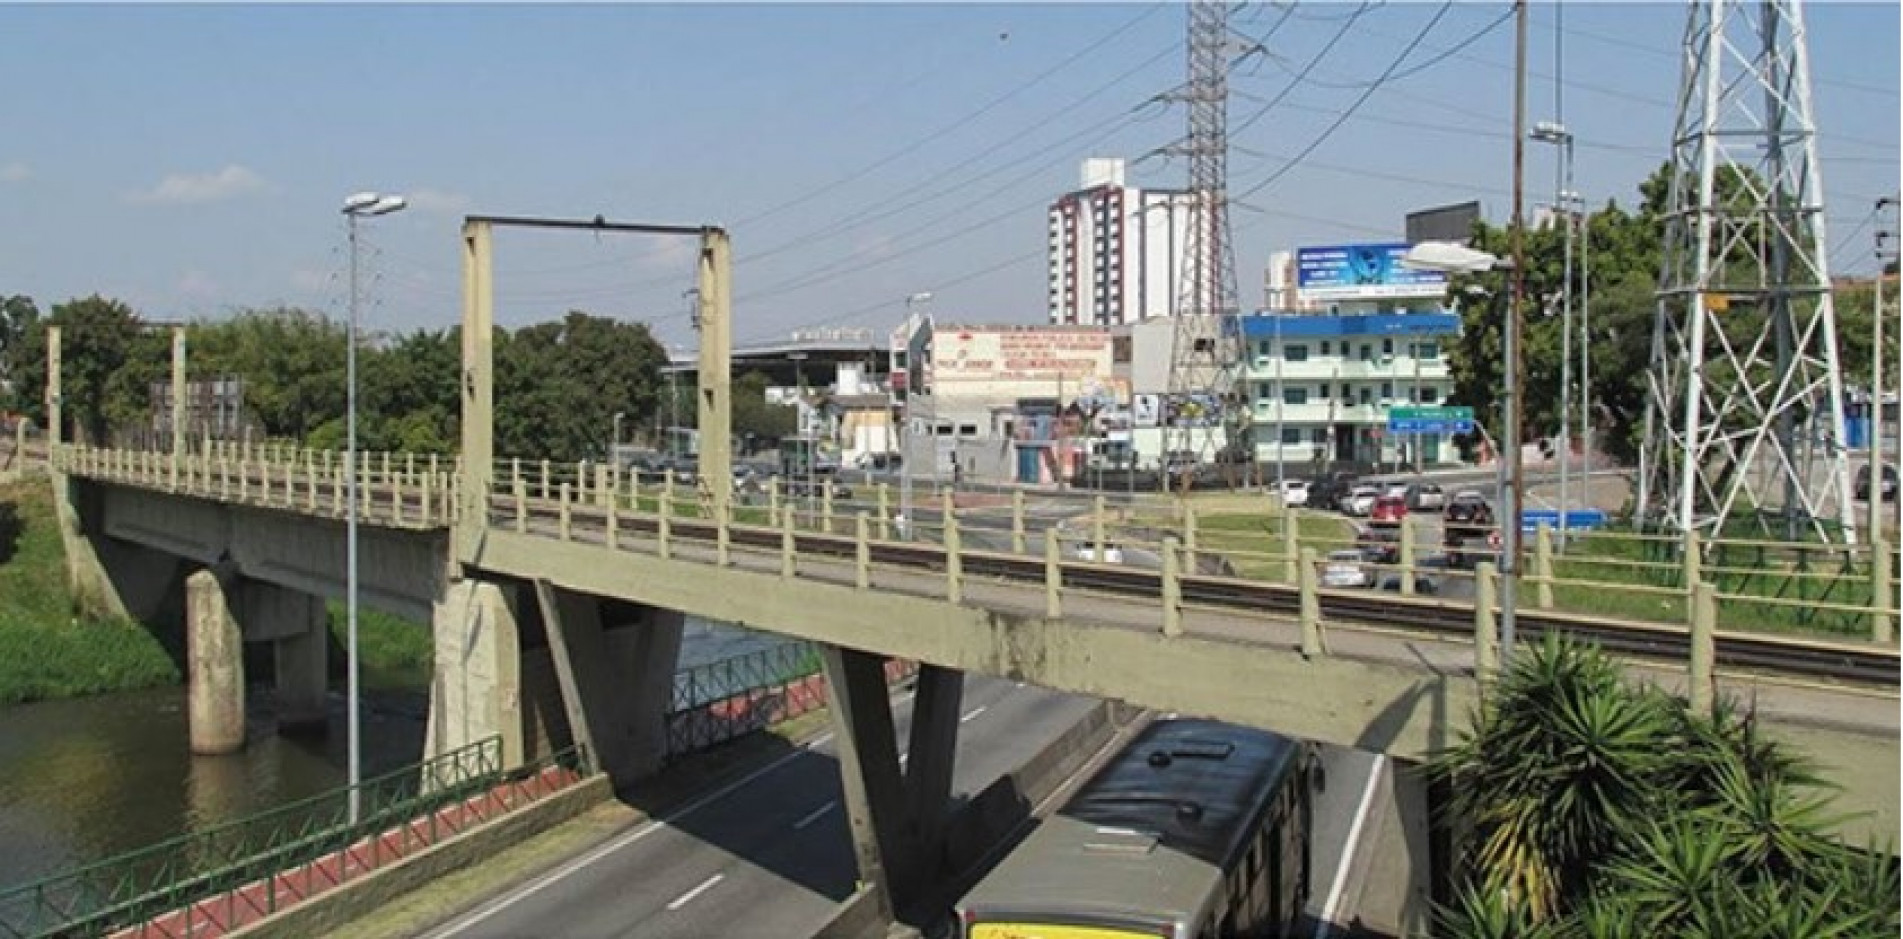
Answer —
(557, 614)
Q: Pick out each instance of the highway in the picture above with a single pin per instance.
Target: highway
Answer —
(770, 855)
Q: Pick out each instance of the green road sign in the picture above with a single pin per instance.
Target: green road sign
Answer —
(1431, 414)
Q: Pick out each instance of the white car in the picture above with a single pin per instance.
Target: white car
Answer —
(1343, 569)
(1359, 500)
(1112, 553)
(1295, 492)
(1395, 489)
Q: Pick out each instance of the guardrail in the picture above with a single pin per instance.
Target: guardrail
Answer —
(1838, 589)
(213, 880)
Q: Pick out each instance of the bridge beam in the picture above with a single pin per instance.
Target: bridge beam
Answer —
(869, 769)
(616, 679)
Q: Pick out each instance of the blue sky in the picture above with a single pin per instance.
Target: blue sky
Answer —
(190, 159)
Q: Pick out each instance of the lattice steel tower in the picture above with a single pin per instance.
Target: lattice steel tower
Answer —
(1205, 346)
(1745, 414)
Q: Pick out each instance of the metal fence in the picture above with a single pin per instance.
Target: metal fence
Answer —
(214, 880)
(719, 701)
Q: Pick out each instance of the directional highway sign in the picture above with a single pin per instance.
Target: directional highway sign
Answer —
(1430, 420)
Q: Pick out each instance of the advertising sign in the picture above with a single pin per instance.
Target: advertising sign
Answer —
(1146, 410)
(1362, 272)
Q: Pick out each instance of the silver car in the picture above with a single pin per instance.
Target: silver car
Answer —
(1359, 500)
(1343, 569)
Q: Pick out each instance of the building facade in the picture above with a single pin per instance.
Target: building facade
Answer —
(1115, 251)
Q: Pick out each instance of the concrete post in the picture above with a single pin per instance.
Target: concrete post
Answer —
(1883, 589)
(723, 533)
(613, 535)
(1543, 566)
(773, 500)
(214, 667)
(300, 648)
(954, 562)
(178, 403)
(716, 367)
(788, 565)
(1172, 587)
(862, 554)
(476, 685)
(1053, 577)
(885, 512)
(1017, 521)
(1704, 646)
(1311, 607)
(664, 525)
(1694, 559)
(868, 768)
(425, 496)
(826, 509)
(1408, 538)
(545, 488)
(1291, 551)
(667, 490)
(603, 492)
(521, 509)
(1486, 631)
(564, 529)
(1189, 534)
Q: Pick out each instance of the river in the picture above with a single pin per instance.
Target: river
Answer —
(86, 779)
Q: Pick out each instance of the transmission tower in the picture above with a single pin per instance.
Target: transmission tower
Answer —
(1205, 345)
(1745, 413)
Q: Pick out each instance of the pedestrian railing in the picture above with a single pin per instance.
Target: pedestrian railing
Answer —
(724, 700)
(212, 881)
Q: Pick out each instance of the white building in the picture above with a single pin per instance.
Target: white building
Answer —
(1115, 251)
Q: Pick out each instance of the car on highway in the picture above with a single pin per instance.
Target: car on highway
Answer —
(1326, 492)
(1396, 488)
(1112, 553)
(1889, 483)
(1379, 545)
(1469, 532)
(1359, 501)
(1388, 510)
(1425, 497)
(1344, 569)
(1294, 492)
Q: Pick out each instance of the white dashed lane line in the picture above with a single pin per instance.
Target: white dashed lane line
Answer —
(816, 813)
(689, 896)
(974, 713)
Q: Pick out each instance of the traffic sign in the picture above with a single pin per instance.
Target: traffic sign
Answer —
(1431, 420)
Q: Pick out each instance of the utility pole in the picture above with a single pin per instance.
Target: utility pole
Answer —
(1876, 388)
(1511, 493)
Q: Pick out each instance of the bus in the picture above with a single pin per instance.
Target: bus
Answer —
(1196, 829)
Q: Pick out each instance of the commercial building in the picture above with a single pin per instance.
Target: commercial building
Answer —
(1116, 252)
(1362, 336)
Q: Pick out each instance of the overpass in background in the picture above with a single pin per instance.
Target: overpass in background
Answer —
(556, 613)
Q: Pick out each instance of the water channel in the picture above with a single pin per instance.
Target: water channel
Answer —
(87, 779)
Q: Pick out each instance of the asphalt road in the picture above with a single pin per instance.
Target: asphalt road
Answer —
(770, 856)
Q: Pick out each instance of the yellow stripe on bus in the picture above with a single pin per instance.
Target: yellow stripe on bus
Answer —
(1050, 931)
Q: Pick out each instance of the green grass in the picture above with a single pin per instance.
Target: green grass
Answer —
(46, 651)
(1245, 536)
(395, 653)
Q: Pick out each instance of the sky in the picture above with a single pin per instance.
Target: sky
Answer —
(191, 160)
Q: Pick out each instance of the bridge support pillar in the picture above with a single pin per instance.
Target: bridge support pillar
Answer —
(214, 662)
(616, 681)
(295, 624)
(936, 705)
(876, 803)
(476, 690)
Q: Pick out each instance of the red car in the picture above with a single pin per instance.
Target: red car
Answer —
(1388, 510)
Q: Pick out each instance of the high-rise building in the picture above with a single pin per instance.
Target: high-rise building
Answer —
(1116, 252)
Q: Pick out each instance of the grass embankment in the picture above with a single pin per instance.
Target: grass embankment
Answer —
(395, 653)
(1247, 531)
(46, 651)
(1811, 579)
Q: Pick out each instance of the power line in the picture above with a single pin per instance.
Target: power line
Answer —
(1346, 25)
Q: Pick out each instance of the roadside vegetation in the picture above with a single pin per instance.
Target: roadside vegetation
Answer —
(1587, 805)
(46, 651)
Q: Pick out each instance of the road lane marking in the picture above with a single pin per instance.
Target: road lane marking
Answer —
(1324, 923)
(814, 817)
(974, 713)
(689, 896)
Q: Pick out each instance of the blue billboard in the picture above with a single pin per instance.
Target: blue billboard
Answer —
(1363, 271)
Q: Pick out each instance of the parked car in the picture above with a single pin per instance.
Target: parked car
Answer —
(1343, 569)
(1889, 482)
(1326, 492)
(1469, 530)
(1112, 553)
(1380, 545)
(1359, 501)
(1397, 488)
(1388, 510)
(1294, 492)
(1425, 497)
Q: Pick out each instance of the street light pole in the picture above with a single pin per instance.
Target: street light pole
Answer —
(1556, 133)
(1511, 496)
(905, 455)
(360, 205)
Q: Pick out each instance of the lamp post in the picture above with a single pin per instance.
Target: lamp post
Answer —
(614, 440)
(1556, 133)
(357, 206)
(1456, 258)
(1876, 392)
(1281, 433)
(809, 447)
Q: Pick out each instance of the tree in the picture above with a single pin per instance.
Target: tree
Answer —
(19, 317)
(290, 360)
(108, 361)
(756, 417)
(559, 384)
(410, 392)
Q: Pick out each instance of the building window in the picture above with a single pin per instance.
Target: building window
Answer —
(1325, 347)
(1367, 352)
(1321, 391)
(1262, 349)
(1320, 435)
(1297, 353)
(1430, 394)
(1367, 395)
(1295, 396)
(968, 430)
(1347, 392)
(1387, 347)
(1387, 391)
(1427, 350)
(1291, 435)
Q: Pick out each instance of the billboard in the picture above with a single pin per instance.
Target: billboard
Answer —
(1444, 223)
(1362, 272)
(1021, 361)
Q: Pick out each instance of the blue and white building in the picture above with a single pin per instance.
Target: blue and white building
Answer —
(1350, 336)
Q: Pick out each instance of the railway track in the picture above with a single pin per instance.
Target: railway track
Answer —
(1782, 656)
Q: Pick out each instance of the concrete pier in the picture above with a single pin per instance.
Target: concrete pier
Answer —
(214, 666)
